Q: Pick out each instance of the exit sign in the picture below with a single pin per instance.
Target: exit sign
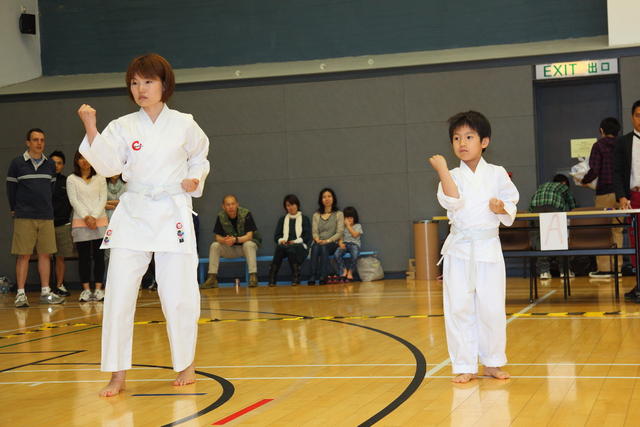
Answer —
(562, 70)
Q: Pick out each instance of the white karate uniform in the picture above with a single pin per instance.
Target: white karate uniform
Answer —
(474, 273)
(153, 216)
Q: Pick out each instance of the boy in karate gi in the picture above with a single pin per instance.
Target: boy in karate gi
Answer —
(162, 155)
(478, 196)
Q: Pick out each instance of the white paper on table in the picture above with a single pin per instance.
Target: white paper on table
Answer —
(553, 231)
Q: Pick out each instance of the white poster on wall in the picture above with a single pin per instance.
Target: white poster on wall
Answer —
(553, 231)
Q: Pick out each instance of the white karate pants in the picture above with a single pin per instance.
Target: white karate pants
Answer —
(475, 321)
(176, 275)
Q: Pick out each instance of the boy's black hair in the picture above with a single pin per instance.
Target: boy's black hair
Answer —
(561, 178)
(610, 126)
(475, 120)
(30, 131)
(635, 105)
(334, 206)
(351, 212)
(292, 199)
(60, 154)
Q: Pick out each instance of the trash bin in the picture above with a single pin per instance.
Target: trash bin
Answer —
(426, 244)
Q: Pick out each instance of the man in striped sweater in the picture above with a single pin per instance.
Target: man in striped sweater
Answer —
(30, 182)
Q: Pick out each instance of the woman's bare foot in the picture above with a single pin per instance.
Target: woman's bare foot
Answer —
(115, 386)
(187, 376)
(464, 378)
(496, 373)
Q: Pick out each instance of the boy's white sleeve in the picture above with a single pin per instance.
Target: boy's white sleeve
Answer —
(508, 193)
(448, 202)
(108, 151)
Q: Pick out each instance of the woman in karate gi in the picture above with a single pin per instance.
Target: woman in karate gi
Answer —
(162, 155)
(478, 196)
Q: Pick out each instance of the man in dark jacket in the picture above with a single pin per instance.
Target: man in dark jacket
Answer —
(61, 222)
(626, 175)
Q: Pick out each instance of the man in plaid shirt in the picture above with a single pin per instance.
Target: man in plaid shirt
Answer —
(601, 167)
(550, 197)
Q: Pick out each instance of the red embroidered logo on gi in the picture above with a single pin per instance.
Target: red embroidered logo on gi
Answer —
(136, 145)
(108, 233)
(178, 225)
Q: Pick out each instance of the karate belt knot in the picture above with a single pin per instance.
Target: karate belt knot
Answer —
(471, 236)
(157, 192)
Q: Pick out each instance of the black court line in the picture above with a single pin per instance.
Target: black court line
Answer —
(68, 353)
(50, 336)
(227, 389)
(418, 376)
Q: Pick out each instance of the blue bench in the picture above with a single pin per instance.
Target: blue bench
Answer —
(204, 262)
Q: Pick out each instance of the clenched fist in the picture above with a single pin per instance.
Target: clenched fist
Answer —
(439, 163)
(496, 206)
(88, 115)
(190, 185)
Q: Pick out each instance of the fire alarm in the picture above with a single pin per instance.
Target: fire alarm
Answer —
(27, 23)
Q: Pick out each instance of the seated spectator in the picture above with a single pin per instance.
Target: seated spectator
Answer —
(550, 197)
(236, 235)
(61, 222)
(293, 238)
(88, 196)
(350, 242)
(327, 229)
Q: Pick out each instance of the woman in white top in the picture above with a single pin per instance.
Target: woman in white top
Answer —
(88, 194)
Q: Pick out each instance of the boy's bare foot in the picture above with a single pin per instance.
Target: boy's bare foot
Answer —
(464, 378)
(188, 376)
(115, 386)
(496, 373)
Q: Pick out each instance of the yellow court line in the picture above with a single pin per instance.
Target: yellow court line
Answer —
(205, 320)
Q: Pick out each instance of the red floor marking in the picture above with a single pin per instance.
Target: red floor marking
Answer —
(241, 412)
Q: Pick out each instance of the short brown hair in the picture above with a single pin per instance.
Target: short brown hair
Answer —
(152, 65)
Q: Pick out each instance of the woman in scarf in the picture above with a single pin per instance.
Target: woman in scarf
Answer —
(293, 238)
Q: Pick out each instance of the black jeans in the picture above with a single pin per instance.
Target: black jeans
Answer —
(86, 251)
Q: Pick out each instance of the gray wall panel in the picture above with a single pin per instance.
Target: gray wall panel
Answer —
(248, 157)
(630, 88)
(346, 152)
(344, 103)
(496, 92)
(255, 109)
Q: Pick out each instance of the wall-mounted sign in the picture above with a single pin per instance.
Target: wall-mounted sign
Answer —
(581, 147)
(586, 68)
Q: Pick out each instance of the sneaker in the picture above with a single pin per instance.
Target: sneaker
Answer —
(85, 296)
(571, 274)
(545, 275)
(21, 300)
(253, 280)
(51, 298)
(98, 295)
(600, 275)
(61, 290)
(211, 282)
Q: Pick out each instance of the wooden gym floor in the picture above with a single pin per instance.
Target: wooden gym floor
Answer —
(334, 355)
